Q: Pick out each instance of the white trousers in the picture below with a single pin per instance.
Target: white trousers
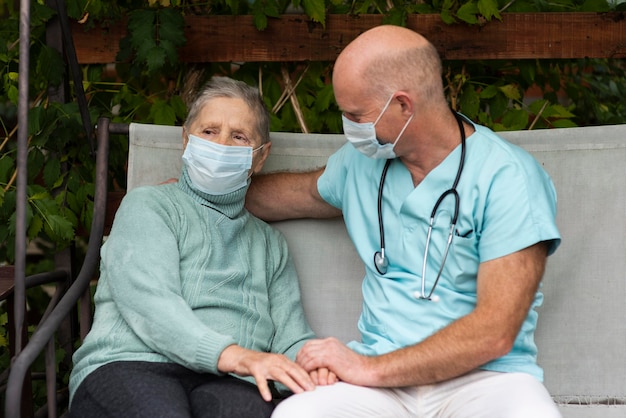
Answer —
(475, 395)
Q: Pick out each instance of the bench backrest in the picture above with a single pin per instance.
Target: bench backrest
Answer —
(581, 334)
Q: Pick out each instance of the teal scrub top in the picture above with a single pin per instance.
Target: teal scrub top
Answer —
(507, 203)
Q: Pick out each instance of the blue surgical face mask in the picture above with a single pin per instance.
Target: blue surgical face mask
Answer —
(363, 136)
(217, 169)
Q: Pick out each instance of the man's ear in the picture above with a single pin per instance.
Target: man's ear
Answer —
(265, 152)
(406, 102)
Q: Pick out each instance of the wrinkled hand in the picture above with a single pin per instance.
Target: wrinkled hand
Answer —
(264, 367)
(334, 356)
(323, 377)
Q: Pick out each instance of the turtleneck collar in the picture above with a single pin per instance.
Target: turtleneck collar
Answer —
(230, 204)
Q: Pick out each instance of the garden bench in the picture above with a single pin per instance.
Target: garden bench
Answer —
(581, 334)
(582, 323)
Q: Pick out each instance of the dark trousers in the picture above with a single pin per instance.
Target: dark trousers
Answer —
(144, 389)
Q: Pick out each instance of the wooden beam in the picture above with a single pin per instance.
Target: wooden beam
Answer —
(296, 38)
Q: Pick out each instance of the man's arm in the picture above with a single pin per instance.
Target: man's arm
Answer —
(506, 289)
(278, 196)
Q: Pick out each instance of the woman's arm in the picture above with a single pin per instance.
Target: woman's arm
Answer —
(141, 277)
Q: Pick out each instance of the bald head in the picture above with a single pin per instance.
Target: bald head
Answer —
(382, 40)
(389, 58)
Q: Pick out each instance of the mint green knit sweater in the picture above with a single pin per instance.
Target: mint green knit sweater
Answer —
(184, 275)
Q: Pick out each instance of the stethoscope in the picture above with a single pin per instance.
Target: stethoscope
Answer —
(381, 262)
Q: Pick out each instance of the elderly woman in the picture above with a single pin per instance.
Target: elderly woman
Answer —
(197, 299)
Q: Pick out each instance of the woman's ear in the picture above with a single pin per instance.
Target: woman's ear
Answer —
(185, 138)
(264, 153)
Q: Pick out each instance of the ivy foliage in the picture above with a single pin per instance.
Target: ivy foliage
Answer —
(149, 84)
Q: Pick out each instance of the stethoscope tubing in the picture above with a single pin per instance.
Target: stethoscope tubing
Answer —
(381, 261)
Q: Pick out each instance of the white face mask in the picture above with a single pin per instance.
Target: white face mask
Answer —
(363, 136)
(217, 169)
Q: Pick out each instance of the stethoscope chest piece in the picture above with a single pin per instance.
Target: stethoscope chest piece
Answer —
(381, 262)
(433, 298)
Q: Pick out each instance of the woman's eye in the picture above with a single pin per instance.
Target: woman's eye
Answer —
(240, 138)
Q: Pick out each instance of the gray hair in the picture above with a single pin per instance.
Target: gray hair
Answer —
(416, 68)
(234, 89)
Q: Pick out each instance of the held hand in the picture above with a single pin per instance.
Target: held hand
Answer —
(264, 367)
(323, 377)
(331, 359)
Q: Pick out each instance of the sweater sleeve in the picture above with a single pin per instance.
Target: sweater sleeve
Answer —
(140, 262)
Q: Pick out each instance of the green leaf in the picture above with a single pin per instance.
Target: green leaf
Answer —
(162, 113)
(177, 104)
(422, 8)
(511, 91)
(40, 195)
(13, 94)
(395, 16)
(527, 70)
(316, 10)
(72, 203)
(447, 17)
(325, 97)
(155, 59)
(141, 26)
(558, 110)
(489, 92)
(35, 119)
(50, 65)
(40, 13)
(469, 101)
(51, 171)
(468, 12)
(170, 50)
(35, 227)
(7, 166)
(260, 20)
(60, 227)
(13, 219)
(536, 106)
(515, 120)
(489, 9)
(595, 6)
(171, 26)
(563, 123)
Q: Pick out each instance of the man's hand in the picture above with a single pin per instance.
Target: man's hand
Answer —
(264, 367)
(330, 357)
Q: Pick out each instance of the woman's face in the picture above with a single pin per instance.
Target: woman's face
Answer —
(229, 121)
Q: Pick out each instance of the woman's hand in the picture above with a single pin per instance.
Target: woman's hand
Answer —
(264, 367)
(329, 355)
(323, 377)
